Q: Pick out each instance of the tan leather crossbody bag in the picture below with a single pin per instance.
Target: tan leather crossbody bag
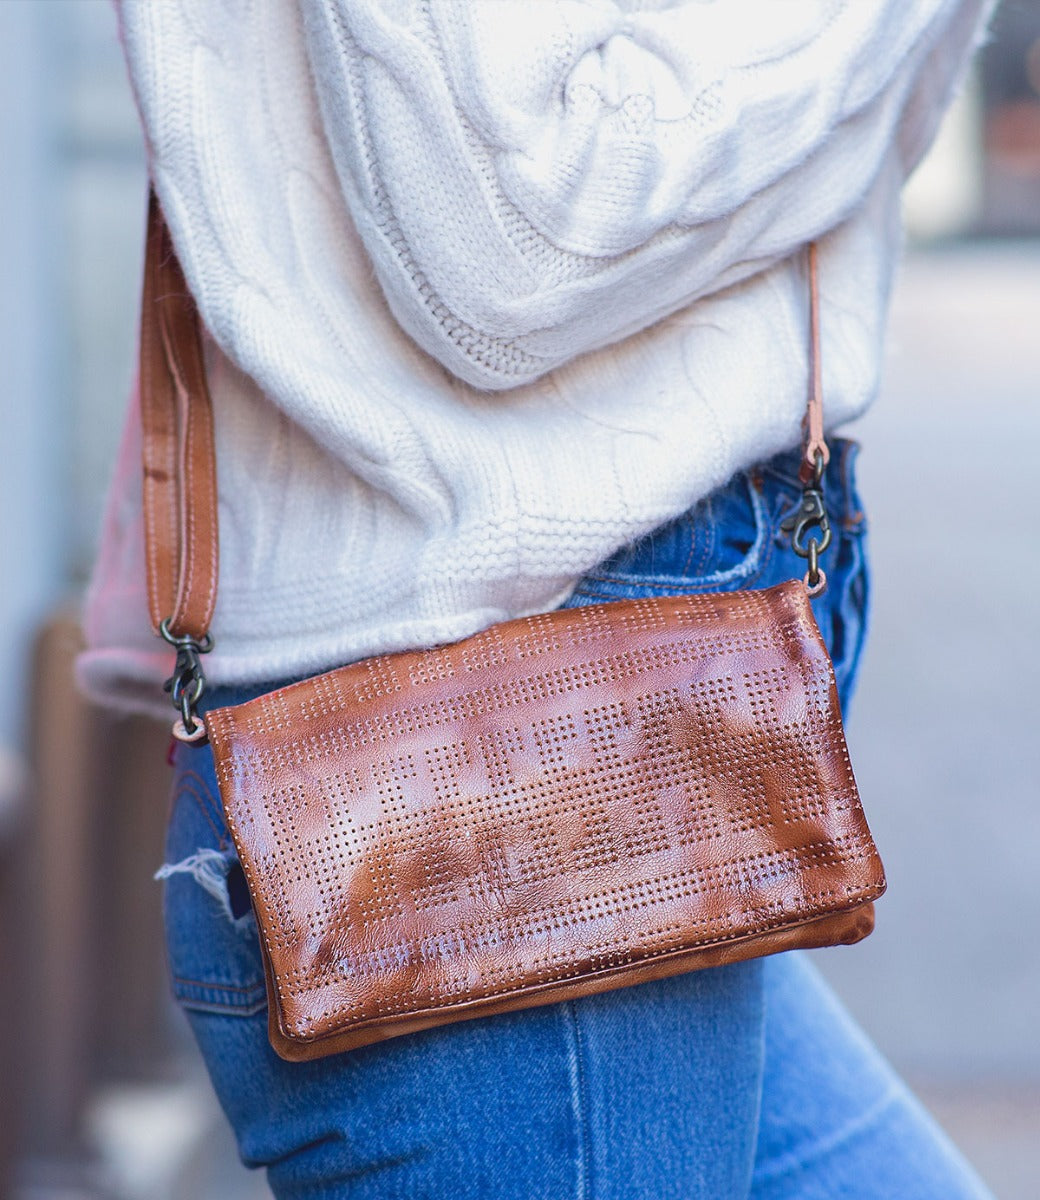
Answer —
(556, 806)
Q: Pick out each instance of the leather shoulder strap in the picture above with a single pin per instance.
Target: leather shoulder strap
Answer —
(813, 424)
(180, 483)
(180, 478)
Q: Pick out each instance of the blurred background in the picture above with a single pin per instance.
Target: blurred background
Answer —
(101, 1093)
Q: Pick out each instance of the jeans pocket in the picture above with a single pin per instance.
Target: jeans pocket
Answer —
(723, 543)
(212, 939)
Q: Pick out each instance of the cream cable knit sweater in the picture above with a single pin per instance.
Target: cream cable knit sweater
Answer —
(494, 286)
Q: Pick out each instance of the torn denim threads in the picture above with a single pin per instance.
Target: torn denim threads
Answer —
(211, 935)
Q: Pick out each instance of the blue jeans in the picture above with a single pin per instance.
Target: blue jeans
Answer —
(743, 1081)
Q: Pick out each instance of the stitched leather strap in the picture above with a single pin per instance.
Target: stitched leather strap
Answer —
(180, 481)
(813, 424)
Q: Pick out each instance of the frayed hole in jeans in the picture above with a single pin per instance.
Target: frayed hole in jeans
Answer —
(220, 874)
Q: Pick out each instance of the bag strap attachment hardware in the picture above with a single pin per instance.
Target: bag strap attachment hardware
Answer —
(188, 681)
(811, 514)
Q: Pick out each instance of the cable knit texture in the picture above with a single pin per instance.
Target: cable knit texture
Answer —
(493, 287)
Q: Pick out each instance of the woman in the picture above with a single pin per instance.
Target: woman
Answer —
(506, 312)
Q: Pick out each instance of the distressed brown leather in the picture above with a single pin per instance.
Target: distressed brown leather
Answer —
(559, 805)
(180, 478)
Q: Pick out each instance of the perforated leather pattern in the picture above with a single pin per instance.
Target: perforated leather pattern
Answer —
(541, 808)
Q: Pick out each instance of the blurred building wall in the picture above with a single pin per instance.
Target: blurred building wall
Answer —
(71, 210)
(33, 448)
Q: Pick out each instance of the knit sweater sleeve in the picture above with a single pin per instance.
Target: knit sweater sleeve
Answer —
(533, 180)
